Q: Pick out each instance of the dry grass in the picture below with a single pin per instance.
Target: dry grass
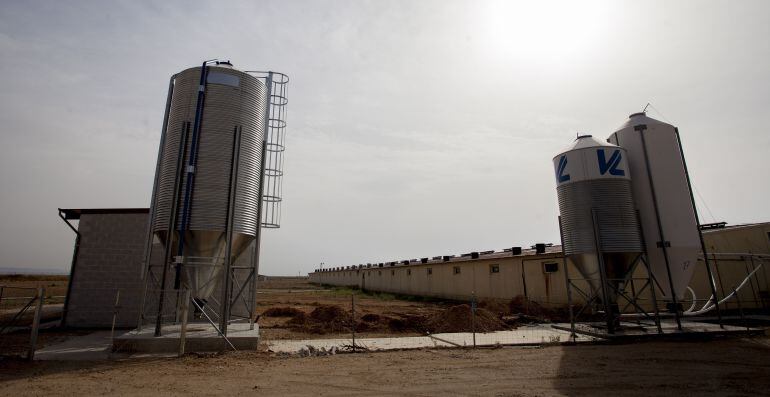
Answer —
(17, 285)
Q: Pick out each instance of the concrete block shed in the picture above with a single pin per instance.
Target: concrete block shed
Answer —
(108, 256)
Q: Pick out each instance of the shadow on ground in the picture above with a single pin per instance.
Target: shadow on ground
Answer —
(717, 367)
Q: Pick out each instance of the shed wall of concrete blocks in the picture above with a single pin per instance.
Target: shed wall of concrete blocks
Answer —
(110, 259)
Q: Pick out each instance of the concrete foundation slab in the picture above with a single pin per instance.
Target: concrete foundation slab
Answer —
(199, 338)
(633, 331)
(91, 347)
(540, 334)
(528, 335)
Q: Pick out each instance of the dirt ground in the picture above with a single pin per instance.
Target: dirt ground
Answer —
(297, 293)
(391, 314)
(736, 367)
(720, 367)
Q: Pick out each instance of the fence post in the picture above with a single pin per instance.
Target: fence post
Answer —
(114, 319)
(183, 327)
(740, 308)
(353, 318)
(473, 317)
(36, 324)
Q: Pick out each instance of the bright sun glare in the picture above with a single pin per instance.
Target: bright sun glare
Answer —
(545, 30)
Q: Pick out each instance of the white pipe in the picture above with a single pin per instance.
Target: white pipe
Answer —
(694, 300)
(711, 299)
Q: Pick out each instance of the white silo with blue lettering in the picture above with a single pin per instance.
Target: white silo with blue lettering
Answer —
(599, 224)
(662, 194)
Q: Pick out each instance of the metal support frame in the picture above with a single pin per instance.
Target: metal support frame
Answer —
(150, 235)
(10, 323)
(275, 145)
(612, 316)
(276, 105)
(261, 202)
(641, 128)
(161, 151)
(567, 282)
(228, 278)
(700, 232)
(170, 229)
(192, 161)
(73, 267)
(212, 323)
(750, 265)
(608, 309)
(36, 324)
(757, 296)
(650, 277)
(235, 287)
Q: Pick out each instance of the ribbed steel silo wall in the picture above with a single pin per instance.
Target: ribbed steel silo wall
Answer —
(596, 205)
(234, 103)
(226, 107)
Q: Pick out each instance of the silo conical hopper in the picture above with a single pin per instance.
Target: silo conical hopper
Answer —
(222, 171)
(594, 187)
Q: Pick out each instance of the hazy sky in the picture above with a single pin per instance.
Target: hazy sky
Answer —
(415, 128)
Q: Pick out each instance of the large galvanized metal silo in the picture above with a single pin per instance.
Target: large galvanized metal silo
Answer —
(208, 181)
(662, 195)
(599, 224)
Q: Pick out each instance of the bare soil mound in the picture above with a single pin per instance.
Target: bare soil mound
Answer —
(407, 323)
(329, 313)
(371, 318)
(453, 319)
(323, 319)
(333, 319)
(282, 312)
(497, 306)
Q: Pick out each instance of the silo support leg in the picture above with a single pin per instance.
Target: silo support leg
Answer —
(608, 310)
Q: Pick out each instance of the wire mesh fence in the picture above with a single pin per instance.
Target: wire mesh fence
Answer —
(352, 320)
(348, 318)
(21, 311)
